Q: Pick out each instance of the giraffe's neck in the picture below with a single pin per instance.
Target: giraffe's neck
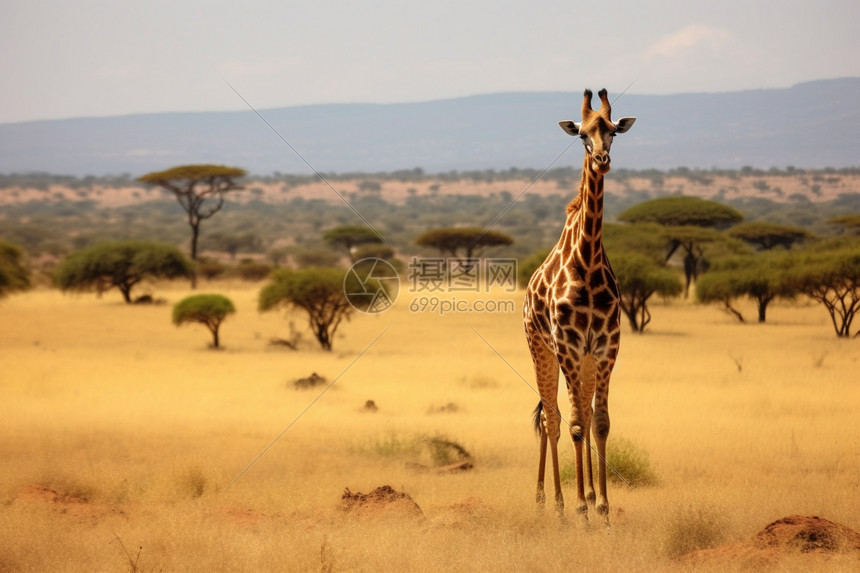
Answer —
(585, 216)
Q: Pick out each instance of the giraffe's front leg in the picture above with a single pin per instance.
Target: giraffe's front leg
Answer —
(579, 390)
(549, 435)
(601, 434)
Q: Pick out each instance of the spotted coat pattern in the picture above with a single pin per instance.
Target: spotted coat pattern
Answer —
(571, 318)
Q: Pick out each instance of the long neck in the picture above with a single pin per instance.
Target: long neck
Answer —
(587, 220)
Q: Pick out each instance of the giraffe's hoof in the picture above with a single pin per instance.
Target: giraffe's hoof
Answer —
(591, 498)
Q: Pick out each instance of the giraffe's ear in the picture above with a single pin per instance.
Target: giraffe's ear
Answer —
(624, 124)
(570, 127)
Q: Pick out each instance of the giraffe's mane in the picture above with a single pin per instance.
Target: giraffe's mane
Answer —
(574, 205)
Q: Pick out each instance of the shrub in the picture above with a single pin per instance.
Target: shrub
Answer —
(253, 271)
(691, 528)
(626, 463)
(14, 276)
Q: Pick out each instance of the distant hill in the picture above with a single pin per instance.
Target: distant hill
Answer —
(810, 125)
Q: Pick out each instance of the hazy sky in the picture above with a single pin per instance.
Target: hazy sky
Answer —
(94, 58)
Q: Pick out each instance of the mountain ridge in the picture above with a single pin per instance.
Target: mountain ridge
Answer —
(809, 125)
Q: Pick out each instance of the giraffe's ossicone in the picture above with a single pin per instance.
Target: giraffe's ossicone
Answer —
(571, 316)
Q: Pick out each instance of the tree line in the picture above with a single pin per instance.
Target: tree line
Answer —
(656, 243)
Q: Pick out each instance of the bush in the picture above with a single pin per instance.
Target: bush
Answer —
(253, 271)
(14, 276)
(691, 528)
(210, 268)
(626, 464)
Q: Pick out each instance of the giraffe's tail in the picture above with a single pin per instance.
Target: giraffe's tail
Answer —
(537, 416)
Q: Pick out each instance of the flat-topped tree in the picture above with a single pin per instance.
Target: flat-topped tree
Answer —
(690, 222)
(463, 243)
(120, 264)
(849, 223)
(209, 310)
(766, 236)
(348, 237)
(200, 189)
(676, 211)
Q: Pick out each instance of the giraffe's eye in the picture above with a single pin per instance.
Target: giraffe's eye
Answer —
(583, 137)
(613, 134)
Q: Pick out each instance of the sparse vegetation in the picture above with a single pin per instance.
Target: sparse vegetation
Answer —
(14, 275)
(626, 464)
(209, 310)
(692, 527)
(107, 416)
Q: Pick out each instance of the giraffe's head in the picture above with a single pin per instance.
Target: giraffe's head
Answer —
(597, 130)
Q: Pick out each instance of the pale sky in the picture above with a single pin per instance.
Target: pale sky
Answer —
(64, 58)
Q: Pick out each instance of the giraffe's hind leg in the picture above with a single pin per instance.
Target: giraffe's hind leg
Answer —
(540, 497)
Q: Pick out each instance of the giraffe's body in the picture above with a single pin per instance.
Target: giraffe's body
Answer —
(571, 316)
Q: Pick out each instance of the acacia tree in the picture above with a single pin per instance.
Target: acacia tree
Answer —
(14, 276)
(463, 243)
(200, 189)
(232, 244)
(832, 277)
(849, 223)
(689, 223)
(639, 278)
(762, 278)
(347, 237)
(766, 236)
(121, 264)
(209, 310)
(683, 211)
(318, 291)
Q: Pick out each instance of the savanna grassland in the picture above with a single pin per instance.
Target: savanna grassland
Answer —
(121, 436)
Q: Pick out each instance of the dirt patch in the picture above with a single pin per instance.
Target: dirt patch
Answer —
(797, 539)
(384, 501)
(308, 382)
(239, 515)
(74, 505)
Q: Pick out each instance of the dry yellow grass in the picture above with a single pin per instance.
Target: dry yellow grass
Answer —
(121, 433)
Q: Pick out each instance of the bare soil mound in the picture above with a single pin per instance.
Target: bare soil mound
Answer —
(384, 501)
(74, 505)
(808, 534)
(798, 539)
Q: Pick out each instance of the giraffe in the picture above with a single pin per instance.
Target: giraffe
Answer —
(571, 318)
